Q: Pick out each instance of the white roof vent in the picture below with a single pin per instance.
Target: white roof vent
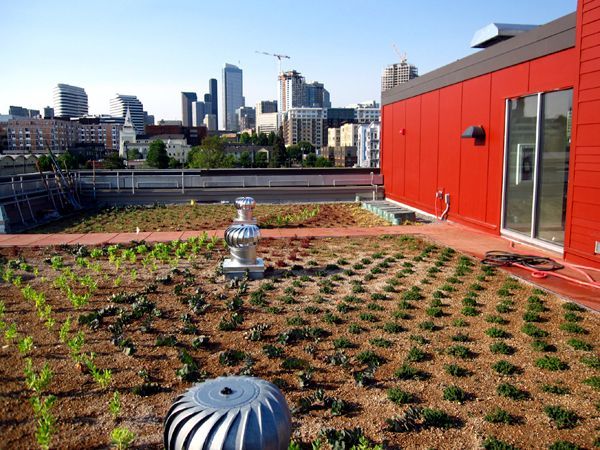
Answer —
(497, 32)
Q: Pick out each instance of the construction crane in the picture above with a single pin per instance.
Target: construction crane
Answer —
(402, 56)
(276, 55)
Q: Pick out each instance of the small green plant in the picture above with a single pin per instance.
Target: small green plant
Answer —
(555, 389)
(565, 445)
(37, 381)
(591, 361)
(122, 438)
(469, 311)
(493, 443)
(574, 328)
(428, 325)
(407, 372)
(415, 354)
(114, 405)
(436, 418)
(459, 351)
(399, 396)
(455, 394)
(504, 367)
(551, 363)
(354, 328)
(570, 316)
(392, 328)
(370, 358)
(501, 348)
(593, 382)
(531, 330)
(455, 370)
(542, 346)
(496, 332)
(25, 345)
(573, 307)
(561, 417)
(496, 319)
(380, 342)
(578, 344)
(460, 322)
(511, 391)
(499, 415)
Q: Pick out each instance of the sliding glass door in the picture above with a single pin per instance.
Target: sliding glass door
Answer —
(537, 165)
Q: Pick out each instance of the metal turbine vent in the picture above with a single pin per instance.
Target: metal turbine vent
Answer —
(244, 206)
(229, 413)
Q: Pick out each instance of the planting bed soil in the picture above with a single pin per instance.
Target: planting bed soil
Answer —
(417, 345)
(211, 217)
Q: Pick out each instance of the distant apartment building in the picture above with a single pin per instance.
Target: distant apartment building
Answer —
(121, 103)
(333, 137)
(341, 145)
(187, 98)
(48, 112)
(367, 114)
(232, 96)
(368, 145)
(246, 118)
(19, 111)
(59, 135)
(398, 73)
(305, 124)
(295, 92)
(70, 101)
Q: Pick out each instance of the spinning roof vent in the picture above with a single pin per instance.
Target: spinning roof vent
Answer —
(229, 413)
(497, 32)
(242, 237)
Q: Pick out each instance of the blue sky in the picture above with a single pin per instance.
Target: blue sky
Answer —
(155, 48)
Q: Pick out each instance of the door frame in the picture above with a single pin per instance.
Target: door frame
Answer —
(513, 235)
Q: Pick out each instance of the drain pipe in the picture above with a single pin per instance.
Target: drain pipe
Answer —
(439, 195)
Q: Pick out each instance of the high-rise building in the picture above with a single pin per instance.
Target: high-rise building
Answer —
(291, 91)
(119, 106)
(266, 106)
(198, 113)
(48, 112)
(212, 91)
(316, 95)
(398, 73)
(70, 101)
(267, 118)
(232, 96)
(187, 98)
(246, 117)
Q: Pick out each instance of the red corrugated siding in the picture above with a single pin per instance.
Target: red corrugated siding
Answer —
(431, 155)
(583, 214)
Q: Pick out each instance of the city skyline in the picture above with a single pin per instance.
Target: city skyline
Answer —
(347, 55)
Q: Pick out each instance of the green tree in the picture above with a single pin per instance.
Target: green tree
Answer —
(262, 139)
(294, 154)
(278, 154)
(322, 162)
(157, 155)
(44, 163)
(245, 160)
(209, 158)
(261, 160)
(245, 138)
(271, 138)
(133, 153)
(310, 160)
(113, 161)
(174, 163)
(213, 142)
(67, 160)
(306, 147)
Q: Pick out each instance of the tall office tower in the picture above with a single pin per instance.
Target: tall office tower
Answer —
(316, 96)
(70, 101)
(208, 104)
(198, 113)
(48, 112)
(212, 90)
(187, 98)
(396, 74)
(246, 117)
(266, 106)
(267, 118)
(291, 91)
(118, 108)
(232, 97)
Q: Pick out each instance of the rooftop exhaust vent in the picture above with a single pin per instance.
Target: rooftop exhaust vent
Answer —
(497, 32)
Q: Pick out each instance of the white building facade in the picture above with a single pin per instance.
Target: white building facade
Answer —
(70, 101)
(305, 124)
(368, 140)
(121, 103)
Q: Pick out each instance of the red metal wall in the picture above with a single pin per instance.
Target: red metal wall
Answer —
(422, 150)
(583, 213)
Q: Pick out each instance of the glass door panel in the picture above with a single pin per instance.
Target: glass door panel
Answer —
(554, 166)
(520, 164)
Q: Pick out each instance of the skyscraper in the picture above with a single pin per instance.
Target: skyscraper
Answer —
(232, 97)
(291, 90)
(398, 73)
(212, 91)
(316, 95)
(187, 98)
(70, 101)
(198, 113)
(118, 108)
